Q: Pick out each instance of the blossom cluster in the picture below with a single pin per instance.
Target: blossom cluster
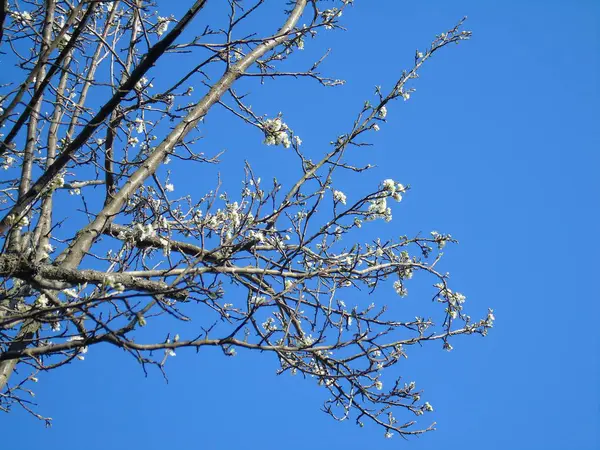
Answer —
(162, 25)
(22, 18)
(378, 207)
(339, 196)
(278, 133)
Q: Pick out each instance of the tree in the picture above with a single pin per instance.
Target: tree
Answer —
(263, 268)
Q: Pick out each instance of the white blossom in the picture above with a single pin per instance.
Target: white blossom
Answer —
(277, 133)
(162, 25)
(71, 293)
(140, 125)
(23, 18)
(339, 196)
(8, 162)
(400, 289)
(378, 206)
(389, 185)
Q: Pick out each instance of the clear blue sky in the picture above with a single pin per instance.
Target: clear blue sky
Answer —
(500, 145)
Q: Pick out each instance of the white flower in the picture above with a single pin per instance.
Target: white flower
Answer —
(169, 187)
(489, 322)
(140, 126)
(376, 127)
(23, 18)
(133, 141)
(389, 185)
(428, 407)
(8, 162)
(276, 133)
(405, 95)
(378, 206)
(379, 385)
(12, 219)
(284, 139)
(269, 140)
(42, 301)
(308, 340)
(273, 125)
(269, 324)
(258, 299)
(382, 112)
(162, 25)
(64, 41)
(388, 434)
(339, 196)
(142, 83)
(57, 182)
(399, 288)
(70, 293)
(297, 140)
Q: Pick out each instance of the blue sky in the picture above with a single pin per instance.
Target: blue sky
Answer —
(500, 146)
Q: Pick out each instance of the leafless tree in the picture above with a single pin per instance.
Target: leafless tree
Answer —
(262, 269)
